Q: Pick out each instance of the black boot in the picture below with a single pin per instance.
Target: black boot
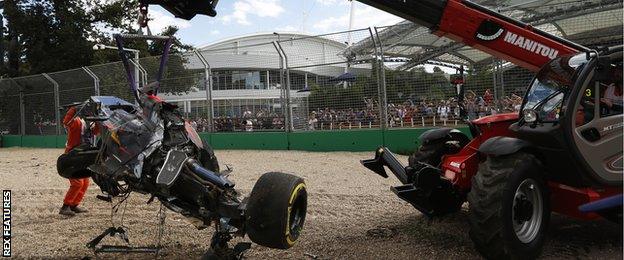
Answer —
(66, 211)
(77, 209)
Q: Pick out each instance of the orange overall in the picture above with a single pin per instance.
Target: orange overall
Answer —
(75, 130)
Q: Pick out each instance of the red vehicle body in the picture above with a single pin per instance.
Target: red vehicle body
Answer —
(514, 41)
(459, 168)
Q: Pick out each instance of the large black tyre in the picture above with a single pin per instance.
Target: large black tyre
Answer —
(73, 165)
(276, 210)
(431, 151)
(509, 207)
(208, 159)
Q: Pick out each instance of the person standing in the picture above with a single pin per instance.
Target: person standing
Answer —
(312, 121)
(77, 134)
(443, 111)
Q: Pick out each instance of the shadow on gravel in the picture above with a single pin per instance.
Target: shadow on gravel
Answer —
(446, 237)
(570, 237)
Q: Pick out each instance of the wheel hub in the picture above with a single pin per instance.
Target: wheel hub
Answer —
(527, 211)
(523, 209)
(297, 217)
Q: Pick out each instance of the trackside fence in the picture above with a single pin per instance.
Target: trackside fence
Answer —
(390, 77)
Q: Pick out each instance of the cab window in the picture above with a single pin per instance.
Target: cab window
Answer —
(611, 93)
(586, 108)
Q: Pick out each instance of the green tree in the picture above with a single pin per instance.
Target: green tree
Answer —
(53, 35)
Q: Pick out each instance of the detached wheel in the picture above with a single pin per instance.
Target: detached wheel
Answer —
(509, 207)
(276, 210)
(208, 159)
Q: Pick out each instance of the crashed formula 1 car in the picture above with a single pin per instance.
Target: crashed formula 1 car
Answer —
(149, 148)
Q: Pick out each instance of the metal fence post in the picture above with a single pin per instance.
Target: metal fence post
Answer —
(22, 113)
(57, 106)
(495, 79)
(208, 83)
(22, 108)
(383, 101)
(502, 80)
(96, 80)
(289, 115)
(285, 86)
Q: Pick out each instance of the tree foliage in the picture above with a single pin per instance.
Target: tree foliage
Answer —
(46, 36)
(53, 35)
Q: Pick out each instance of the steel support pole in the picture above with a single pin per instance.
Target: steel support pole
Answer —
(208, 83)
(494, 78)
(22, 108)
(289, 115)
(136, 69)
(502, 80)
(382, 79)
(284, 93)
(57, 105)
(22, 113)
(96, 80)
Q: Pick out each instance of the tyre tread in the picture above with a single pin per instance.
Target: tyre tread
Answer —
(486, 207)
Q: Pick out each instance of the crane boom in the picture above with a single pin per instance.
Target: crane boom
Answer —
(483, 29)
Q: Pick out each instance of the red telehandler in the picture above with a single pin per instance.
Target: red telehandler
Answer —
(562, 153)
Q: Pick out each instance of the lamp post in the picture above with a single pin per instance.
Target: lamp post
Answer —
(349, 40)
(136, 52)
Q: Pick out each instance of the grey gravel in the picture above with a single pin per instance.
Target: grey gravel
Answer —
(351, 215)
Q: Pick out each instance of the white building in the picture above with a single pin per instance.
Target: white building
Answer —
(246, 73)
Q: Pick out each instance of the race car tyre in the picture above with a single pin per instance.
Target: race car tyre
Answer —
(276, 210)
(509, 207)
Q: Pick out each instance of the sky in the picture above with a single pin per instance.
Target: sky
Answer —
(240, 17)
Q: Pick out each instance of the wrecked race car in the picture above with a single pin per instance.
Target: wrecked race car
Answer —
(149, 148)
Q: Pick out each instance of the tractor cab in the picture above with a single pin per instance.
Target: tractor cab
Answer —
(572, 118)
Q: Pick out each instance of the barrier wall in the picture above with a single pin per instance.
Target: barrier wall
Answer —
(400, 140)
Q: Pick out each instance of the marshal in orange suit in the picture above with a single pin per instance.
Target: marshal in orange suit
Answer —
(77, 134)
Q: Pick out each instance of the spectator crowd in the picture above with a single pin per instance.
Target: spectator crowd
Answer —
(409, 113)
(415, 112)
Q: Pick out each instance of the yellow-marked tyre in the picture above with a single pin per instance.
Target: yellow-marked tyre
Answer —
(276, 210)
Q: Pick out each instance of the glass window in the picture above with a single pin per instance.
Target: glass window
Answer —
(274, 80)
(252, 80)
(546, 97)
(585, 110)
(611, 101)
(551, 108)
(551, 85)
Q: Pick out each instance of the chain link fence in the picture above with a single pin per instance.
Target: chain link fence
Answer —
(398, 76)
(332, 88)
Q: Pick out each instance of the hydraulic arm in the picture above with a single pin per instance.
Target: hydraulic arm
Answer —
(484, 29)
(185, 9)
